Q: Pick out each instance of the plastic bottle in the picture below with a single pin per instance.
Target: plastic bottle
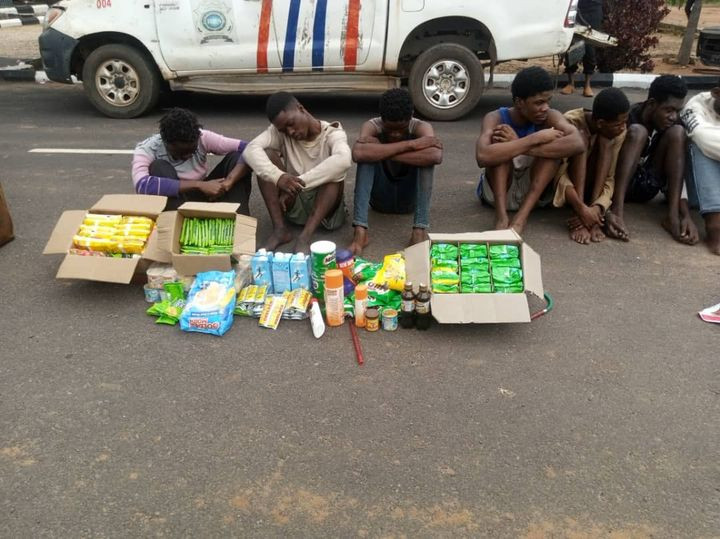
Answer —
(407, 310)
(334, 297)
(316, 319)
(361, 297)
(422, 308)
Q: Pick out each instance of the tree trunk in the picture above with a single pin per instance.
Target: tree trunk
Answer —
(689, 37)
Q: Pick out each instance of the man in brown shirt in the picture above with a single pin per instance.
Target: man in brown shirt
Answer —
(586, 181)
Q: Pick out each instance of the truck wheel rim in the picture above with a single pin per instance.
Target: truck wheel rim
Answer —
(118, 83)
(446, 84)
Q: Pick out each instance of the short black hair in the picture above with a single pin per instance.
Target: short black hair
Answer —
(179, 125)
(396, 105)
(609, 104)
(666, 86)
(531, 81)
(279, 102)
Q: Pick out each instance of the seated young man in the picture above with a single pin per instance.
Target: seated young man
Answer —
(301, 164)
(586, 181)
(396, 154)
(652, 159)
(521, 148)
(173, 163)
(701, 117)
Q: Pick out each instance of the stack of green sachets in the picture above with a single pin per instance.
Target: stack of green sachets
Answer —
(506, 270)
(444, 275)
(474, 269)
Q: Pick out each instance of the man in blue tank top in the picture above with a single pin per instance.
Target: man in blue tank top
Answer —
(521, 147)
(396, 155)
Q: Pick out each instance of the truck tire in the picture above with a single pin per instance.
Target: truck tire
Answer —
(120, 81)
(446, 82)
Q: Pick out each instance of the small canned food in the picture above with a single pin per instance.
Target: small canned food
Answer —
(390, 319)
(152, 295)
(372, 319)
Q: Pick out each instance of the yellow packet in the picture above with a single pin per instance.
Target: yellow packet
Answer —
(135, 220)
(392, 273)
(130, 246)
(272, 311)
(101, 219)
(300, 299)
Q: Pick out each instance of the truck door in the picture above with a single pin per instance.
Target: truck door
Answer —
(208, 35)
(329, 35)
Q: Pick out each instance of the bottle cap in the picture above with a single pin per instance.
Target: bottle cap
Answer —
(333, 278)
(361, 291)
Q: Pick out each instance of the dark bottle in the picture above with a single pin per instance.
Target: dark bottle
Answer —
(422, 308)
(407, 311)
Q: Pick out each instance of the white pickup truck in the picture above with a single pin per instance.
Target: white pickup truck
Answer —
(127, 51)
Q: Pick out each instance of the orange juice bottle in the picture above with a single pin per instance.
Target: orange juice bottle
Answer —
(334, 297)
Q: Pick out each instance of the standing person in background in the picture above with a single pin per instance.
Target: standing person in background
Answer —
(590, 13)
(173, 163)
(701, 117)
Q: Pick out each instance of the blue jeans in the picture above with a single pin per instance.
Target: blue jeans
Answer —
(703, 181)
(402, 194)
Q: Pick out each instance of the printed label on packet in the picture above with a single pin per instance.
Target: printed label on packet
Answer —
(272, 311)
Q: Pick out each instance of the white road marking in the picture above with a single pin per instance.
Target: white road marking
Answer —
(81, 151)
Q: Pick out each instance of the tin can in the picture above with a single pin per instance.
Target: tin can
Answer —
(372, 319)
(152, 295)
(390, 319)
(322, 258)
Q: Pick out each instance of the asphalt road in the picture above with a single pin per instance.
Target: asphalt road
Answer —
(598, 420)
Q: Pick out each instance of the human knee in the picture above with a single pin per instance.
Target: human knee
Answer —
(636, 133)
(676, 135)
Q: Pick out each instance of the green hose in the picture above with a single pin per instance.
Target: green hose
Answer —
(550, 303)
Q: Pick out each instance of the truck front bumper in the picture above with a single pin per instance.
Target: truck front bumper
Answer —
(56, 51)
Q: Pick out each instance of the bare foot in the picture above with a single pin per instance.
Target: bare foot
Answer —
(518, 226)
(587, 92)
(502, 221)
(418, 236)
(713, 239)
(615, 226)
(360, 240)
(680, 230)
(279, 236)
(580, 235)
(568, 89)
(596, 234)
(302, 245)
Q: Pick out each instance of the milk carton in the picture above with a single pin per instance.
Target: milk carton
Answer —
(281, 272)
(262, 269)
(300, 271)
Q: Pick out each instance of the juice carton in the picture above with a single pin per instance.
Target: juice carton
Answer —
(262, 269)
(300, 271)
(281, 272)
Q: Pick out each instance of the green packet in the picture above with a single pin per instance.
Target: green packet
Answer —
(504, 251)
(444, 277)
(364, 270)
(473, 261)
(443, 251)
(439, 288)
(168, 311)
(506, 263)
(384, 298)
(473, 250)
(506, 276)
(476, 289)
(444, 265)
(476, 267)
(475, 278)
(511, 289)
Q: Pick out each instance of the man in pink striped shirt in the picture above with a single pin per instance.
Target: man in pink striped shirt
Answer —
(174, 164)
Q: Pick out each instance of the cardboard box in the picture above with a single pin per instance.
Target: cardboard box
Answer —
(477, 308)
(105, 269)
(169, 226)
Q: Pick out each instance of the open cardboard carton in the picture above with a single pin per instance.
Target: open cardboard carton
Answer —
(99, 268)
(477, 308)
(169, 227)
